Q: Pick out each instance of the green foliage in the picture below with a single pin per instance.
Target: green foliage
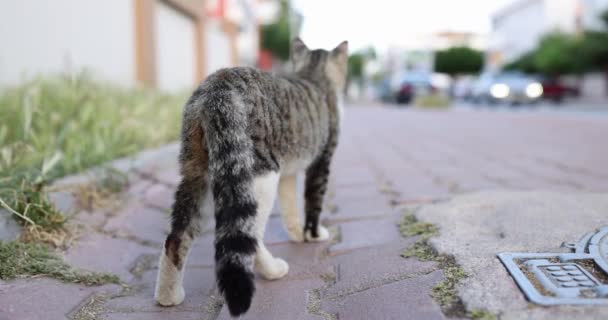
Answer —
(525, 63)
(595, 49)
(26, 260)
(357, 60)
(276, 37)
(458, 60)
(355, 65)
(558, 54)
(60, 125)
(410, 227)
(604, 18)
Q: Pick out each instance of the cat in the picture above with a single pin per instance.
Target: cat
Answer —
(245, 134)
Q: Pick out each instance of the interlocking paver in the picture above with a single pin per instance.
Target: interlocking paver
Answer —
(366, 233)
(198, 284)
(135, 219)
(42, 299)
(394, 301)
(280, 300)
(103, 253)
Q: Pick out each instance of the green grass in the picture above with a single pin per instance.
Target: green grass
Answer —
(60, 125)
(432, 101)
(443, 292)
(18, 260)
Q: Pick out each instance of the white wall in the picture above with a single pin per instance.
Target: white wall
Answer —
(217, 47)
(175, 55)
(50, 36)
(518, 32)
(591, 11)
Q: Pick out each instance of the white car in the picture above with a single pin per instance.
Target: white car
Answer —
(507, 87)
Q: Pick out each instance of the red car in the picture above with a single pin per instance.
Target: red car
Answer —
(556, 91)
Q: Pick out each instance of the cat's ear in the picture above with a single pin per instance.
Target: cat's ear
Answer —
(341, 51)
(298, 48)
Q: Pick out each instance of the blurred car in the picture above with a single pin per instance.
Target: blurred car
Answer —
(506, 87)
(556, 91)
(411, 85)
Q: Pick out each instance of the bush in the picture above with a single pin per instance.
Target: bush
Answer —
(458, 60)
(558, 54)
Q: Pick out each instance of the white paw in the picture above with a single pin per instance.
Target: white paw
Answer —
(322, 232)
(274, 269)
(168, 297)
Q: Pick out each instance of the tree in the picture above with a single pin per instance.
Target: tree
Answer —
(525, 63)
(458, 60)
(558, 54)
(276, 37)
(357, 60)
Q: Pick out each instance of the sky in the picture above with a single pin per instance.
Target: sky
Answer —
(390, 23)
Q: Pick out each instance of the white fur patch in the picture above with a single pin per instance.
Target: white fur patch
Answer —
(321, 231)
(289, 208)
(169, 289)
(294, 166)
(265, 190)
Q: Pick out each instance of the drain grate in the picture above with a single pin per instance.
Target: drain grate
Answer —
(579, 277)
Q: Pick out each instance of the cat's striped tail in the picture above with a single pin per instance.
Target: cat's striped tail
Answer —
(231, 175)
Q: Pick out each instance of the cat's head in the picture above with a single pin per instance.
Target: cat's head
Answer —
(320, 63)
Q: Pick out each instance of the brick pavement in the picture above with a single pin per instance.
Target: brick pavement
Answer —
(387, 159)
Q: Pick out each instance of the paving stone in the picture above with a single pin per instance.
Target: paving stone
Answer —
(102, 253)
(363, 208)
(9, 228)
(64, 201)
(275, 232)
(159, 196)
(198, 284)
(371, 267)
(366, 233)
(279, 300)
(306, 260)
(42, 298)
(406, 299)
(144, 223)
(202, 252)
(175, 315)
(138, 187)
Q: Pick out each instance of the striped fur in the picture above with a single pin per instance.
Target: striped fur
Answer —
(240, 125)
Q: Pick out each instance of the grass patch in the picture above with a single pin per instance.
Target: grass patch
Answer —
(479, 314)
(445, 291)
(18, 260)
(432, 101)
(410, 227)
(103, 190)
(59, 125)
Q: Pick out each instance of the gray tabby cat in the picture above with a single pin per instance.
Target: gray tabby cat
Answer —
(246, 133)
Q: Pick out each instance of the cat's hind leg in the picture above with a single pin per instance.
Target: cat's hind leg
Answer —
(317, 176)
(265, 189)
(185, 221)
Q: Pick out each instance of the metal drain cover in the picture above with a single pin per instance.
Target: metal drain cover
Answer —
(579, 277)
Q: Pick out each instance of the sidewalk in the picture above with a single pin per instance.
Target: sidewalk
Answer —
(388, 162)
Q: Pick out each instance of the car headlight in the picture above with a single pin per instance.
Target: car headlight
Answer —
(534, 90)
(499, 91)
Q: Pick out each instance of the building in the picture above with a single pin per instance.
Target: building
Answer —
(167, 44)
(517, 28)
